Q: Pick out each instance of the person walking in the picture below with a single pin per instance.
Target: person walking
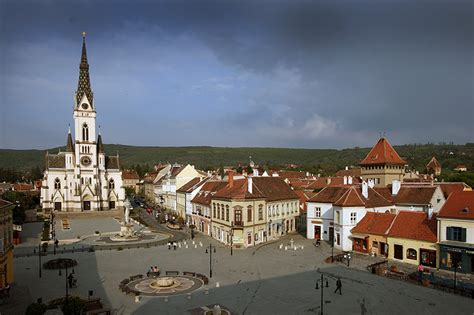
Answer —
(421, 268)
(70, 279)
(175, 245)
(338, 286)
(169, 245)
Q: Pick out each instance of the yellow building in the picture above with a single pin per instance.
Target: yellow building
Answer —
(412, 238)
(6, 246)
(240, 211)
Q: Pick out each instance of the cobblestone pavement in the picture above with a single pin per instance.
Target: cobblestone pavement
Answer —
(263, 280)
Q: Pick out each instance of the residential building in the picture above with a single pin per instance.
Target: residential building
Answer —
(433, 167)
(456, 232)
(369, 236)
(412, 238)
(382, 164)
(6, 246)
(250, 211)
(185, 195)
(201, 205)
(130, 179)
(460, 168)
(83, 178)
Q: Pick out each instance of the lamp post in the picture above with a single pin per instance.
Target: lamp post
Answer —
(211, 248)
(66, 280)
(231, 236)
(39, 259)
(456, 266)
(322, 280)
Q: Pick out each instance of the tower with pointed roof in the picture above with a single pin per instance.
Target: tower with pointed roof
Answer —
(382, 165)
(83, 178)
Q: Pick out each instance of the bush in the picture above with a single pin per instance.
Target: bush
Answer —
(36, 309)
(75, 303)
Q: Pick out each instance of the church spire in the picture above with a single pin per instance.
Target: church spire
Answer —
(84, 84)
(69, 145)
(100, 145)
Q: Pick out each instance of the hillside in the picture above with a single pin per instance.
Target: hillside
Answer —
(328, 160)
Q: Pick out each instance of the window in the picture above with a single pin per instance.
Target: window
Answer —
(338, 217)
(398, 251)
(249, 214)
(85, 132)
(454, 233)
(411, 253)
(57, 184)
(218, 211)
(260, 212)
(353, 217)
(238, 216)
(287, 208)
(277, 210)
(227, 213)
(214, 210)
(222, 212)
(317, 212)
(111, 183)
(111, 204)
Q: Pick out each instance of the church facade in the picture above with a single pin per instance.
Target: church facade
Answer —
(82, 178)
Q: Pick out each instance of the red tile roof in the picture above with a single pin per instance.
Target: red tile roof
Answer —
(460, 205)
(414, 225)
(239, 190)
(4, 203)
(204, 196)
(408, 195)
(374, 223)
(450, 187)
(350, 196)
(433, 163)
(274, 188)
(354, 172)
(130, 174)
(381, 154)
(22, 187)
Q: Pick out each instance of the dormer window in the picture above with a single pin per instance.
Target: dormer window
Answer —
(111, 184)
(465, 210)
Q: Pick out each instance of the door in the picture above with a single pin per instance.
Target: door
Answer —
(331, 234)
(87, 205)
(317, 232)
(249, 238)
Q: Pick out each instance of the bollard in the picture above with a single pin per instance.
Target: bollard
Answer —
(166, 299)
(286, 247)
(217, 284)
(206, 291)
(189, 296)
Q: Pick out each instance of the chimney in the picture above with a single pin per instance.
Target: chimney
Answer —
(249, 184)
(371, 183)
(328, 181)
(345, 180)
(307, 174)
(430, 211)
(230, 174)
(349, 180)
(395, 187)
(365, 189)
(347, 168)
(255, 172)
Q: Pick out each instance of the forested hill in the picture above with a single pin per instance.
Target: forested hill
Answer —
(328, 160)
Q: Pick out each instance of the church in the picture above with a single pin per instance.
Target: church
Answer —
(83, 178)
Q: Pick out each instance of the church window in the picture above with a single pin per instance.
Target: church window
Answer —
(111, 184)
(57, 184)
(85, 132)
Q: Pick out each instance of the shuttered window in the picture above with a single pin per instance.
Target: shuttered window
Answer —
(454, 233)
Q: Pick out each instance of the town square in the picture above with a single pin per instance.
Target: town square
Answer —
(236, 157)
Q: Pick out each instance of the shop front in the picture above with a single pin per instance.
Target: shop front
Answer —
(453, 254)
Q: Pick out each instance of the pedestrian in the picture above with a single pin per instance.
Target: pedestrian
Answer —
(421, 268)
(70, 279)
(338, 286)
(155, 269)
(192, 234)
(175, 245)
(169, 245)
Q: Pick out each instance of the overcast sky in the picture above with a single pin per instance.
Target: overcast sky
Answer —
(314, 74)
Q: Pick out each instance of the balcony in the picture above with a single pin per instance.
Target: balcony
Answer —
(238, 224)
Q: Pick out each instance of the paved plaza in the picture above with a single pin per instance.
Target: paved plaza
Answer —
(264, 280)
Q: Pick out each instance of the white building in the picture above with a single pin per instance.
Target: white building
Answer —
(82, 178)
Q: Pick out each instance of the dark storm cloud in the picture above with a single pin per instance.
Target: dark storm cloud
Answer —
(275, 73)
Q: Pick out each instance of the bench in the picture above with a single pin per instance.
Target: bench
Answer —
(203, 278)
(91, 305)
(189, 273)
(172, 273)
(396, 274)
(136, 277)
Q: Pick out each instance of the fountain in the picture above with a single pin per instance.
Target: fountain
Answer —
(164, 282)
(126, 229)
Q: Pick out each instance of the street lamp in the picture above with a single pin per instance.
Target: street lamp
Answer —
(66, 280)
(231, 237)
(39, 259)
(211, 248)
(455, 266)
(323, 280)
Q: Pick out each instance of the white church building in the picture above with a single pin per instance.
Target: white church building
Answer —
(82, 178)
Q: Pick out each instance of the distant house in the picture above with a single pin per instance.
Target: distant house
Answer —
(130, 179)
(461, 168)
(23, 187)
(184, 196)
(433, 167)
